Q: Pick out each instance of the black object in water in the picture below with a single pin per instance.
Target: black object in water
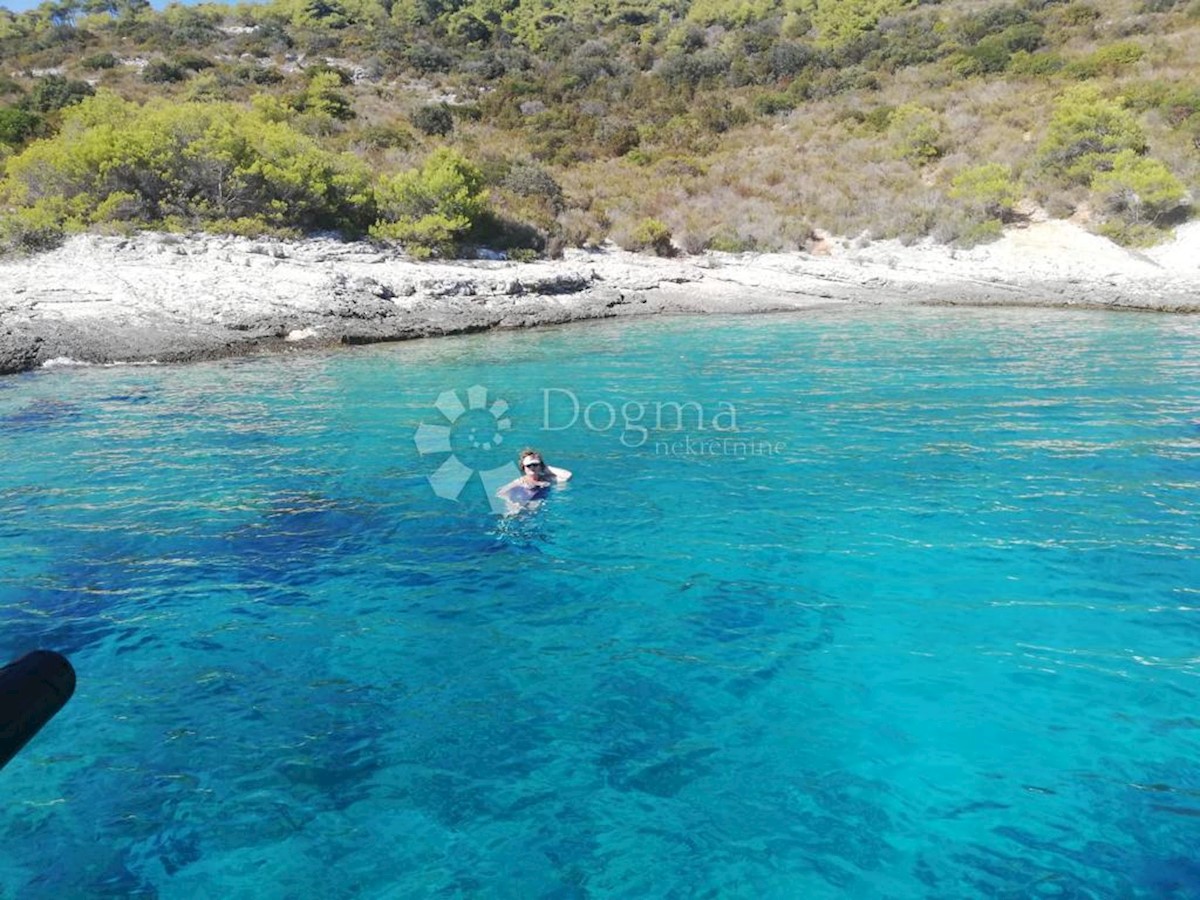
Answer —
(32, 690)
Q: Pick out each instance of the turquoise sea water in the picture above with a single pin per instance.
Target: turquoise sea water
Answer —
(925, 625)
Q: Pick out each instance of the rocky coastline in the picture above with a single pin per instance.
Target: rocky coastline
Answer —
(168, 298)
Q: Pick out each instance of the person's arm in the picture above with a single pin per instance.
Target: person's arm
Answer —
(560, 474)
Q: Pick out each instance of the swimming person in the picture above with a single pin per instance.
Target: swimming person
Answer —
(536, 479)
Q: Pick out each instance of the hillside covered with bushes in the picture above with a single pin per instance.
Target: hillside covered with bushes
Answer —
(531, 125)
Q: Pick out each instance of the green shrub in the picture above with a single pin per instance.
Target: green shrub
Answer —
(1034, 64)
(18, 125)
(249, 73)
(206, 87)
(341, 78)
(650, 235)
(1178, 103)
(1110, 60)
(689, 71)
(163, 71)
(99, 61)
(916, 133)
(324, 100)
(913, 39)
(1138, 189)
(735, 13)
(393, 135)
(321, 14)
(773, 103)
(114, 161)
(994, 39)
(988, 188)
(528, 179)
(428, 58)
(989, 21)
(27, 231)
(55, 92)
(840, 21)
(640, 157)
(1026, 37)
(873, 121)
(1086, 131)
(1138, 234)
(433, 119)
(989, 55)
(789, 58)
(431, 209)
(980, 233)
(1082, 69)
(190, 26)
(466, 112)
(719, 116)
(617, 138)
(795, 24)
(728, 241)
(192, 62)
(1115, 57)
(1079, 13)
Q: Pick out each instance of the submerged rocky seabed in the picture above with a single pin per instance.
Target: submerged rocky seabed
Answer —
(166, 298)
(941, 642)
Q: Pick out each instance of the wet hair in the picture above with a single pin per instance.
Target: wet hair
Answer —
(528, 451)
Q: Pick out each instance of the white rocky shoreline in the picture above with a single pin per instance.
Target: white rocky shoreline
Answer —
(167, 298)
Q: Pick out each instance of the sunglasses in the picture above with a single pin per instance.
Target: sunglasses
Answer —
(536, 464)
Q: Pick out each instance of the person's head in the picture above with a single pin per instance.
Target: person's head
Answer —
(530, 462)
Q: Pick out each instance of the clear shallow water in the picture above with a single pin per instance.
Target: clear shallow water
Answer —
(940, 641)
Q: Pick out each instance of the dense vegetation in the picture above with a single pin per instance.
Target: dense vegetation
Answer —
(533, 124)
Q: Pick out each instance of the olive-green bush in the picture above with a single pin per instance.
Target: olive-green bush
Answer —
(431, 209)
(55, 92)
(988, 188)
(917, 133)
(649, 236)
(1138, 189)
(433, 119)
(1086, 132)
(185, 165)
(18, 125)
